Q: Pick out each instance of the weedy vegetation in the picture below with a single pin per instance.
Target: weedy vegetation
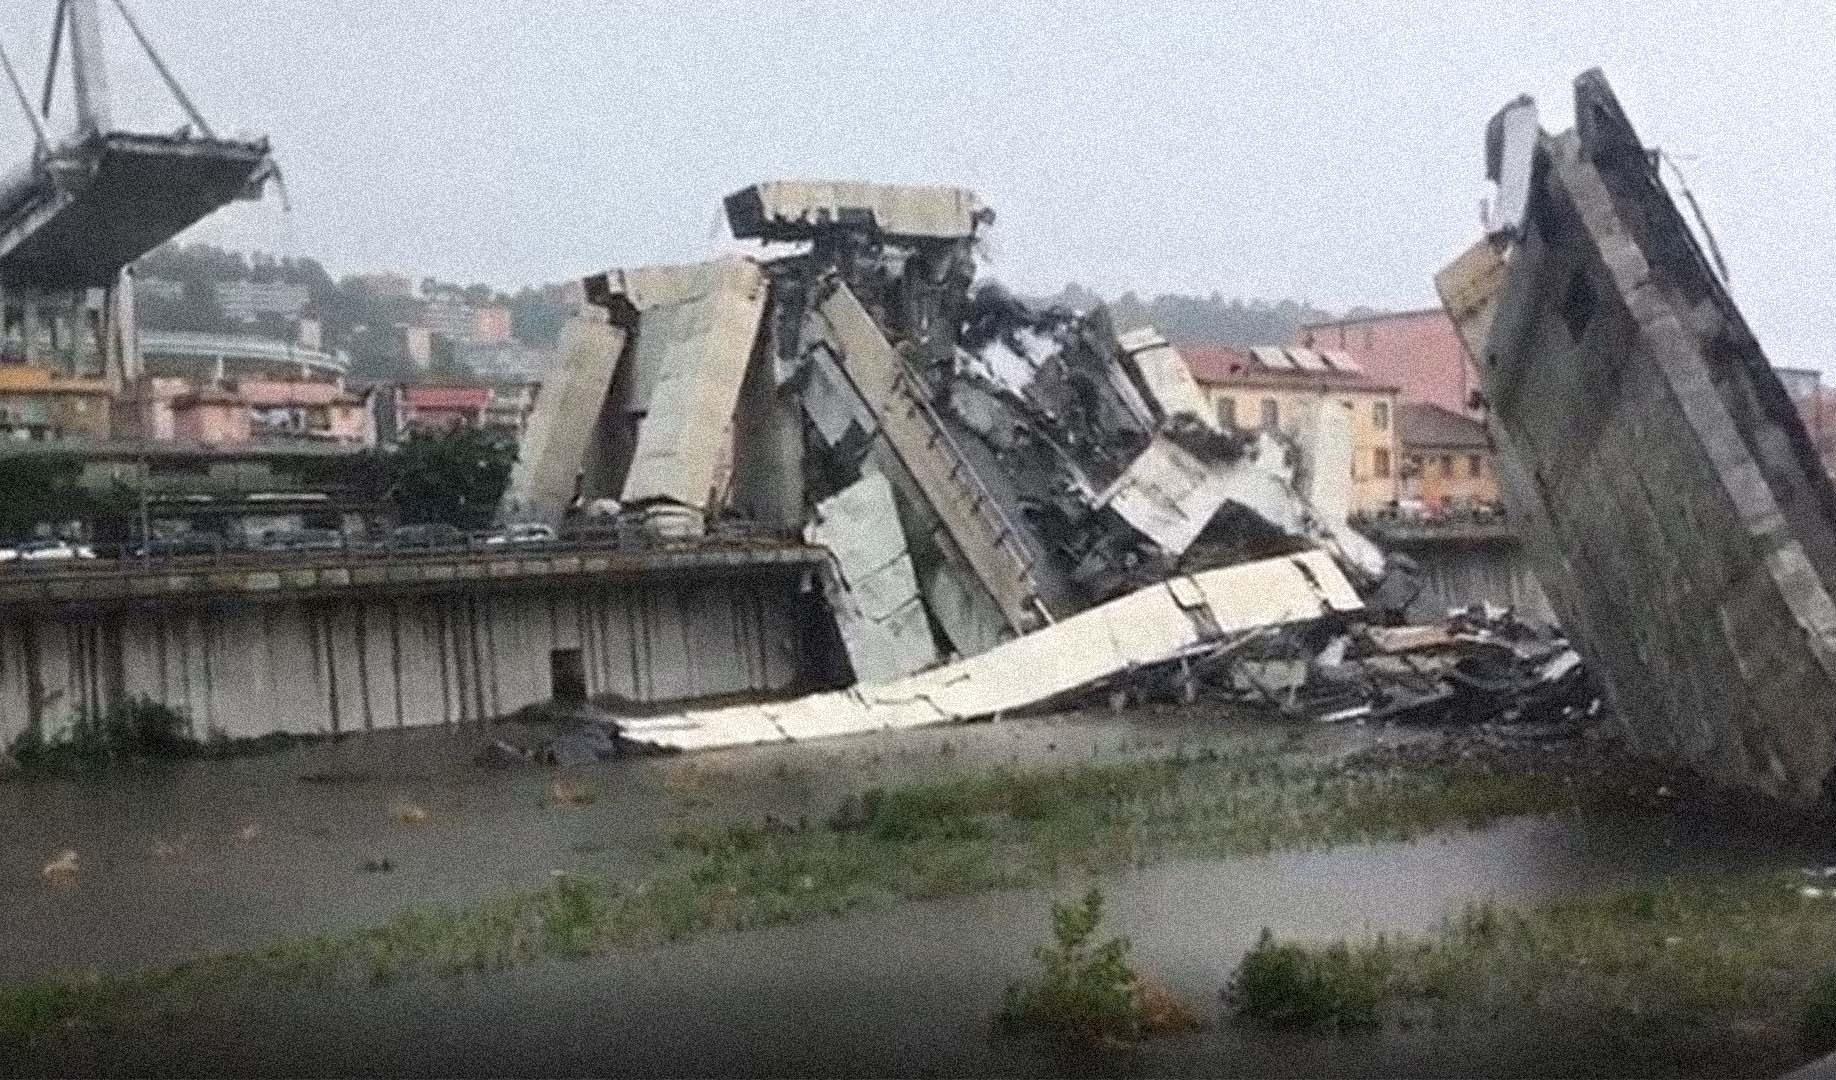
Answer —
(1737, 960)
(1088, 991)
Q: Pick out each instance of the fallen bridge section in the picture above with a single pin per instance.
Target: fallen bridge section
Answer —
(1180, 617)
(1667, 493)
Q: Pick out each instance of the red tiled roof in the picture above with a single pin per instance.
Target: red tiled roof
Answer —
(447, 397)
(1221, 365)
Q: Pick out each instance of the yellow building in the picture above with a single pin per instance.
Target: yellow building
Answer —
(1270, 388)
(1447, 459)
(36, 404)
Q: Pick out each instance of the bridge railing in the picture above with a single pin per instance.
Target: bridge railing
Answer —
(39, 557)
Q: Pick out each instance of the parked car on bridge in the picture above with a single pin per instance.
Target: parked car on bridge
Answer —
(181, 545)
(46, 551)
(527, 533)
(433, 534)
(301, 540)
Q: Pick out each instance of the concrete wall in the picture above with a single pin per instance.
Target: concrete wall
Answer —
(1462, 575)
(321, 664)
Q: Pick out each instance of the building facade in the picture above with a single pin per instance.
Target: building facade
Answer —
(1447, 461)
(490, 325)
(1416, 351)
(1277, 388)
(246, 301)
(429, 407)
(37, 405)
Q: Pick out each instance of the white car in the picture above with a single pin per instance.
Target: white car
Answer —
(528, 533)
(52, 551)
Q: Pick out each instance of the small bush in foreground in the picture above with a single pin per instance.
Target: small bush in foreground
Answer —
(135, 727)
(1817, 1023)
(1090, 992)
(1287, 986)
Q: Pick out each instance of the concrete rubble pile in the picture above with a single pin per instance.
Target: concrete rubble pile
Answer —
(1480, 665)
(1663, 484)
(981, 470)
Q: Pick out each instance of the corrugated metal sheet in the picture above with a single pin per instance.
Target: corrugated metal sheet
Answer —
(1151, 625)
(697, 326)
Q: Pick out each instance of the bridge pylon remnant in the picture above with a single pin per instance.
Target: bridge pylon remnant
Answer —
(77, 213)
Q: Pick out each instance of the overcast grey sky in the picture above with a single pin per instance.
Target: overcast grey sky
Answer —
(1326, 151)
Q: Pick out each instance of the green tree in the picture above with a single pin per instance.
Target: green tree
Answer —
(455, 476)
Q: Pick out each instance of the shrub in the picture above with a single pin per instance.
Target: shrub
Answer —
(1086, 992)
(142, 726)
(1287, 986)
(1817, 1021)
(131, 727)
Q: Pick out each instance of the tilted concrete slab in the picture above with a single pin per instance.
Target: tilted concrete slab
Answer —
(1156, 624)
(872, 589)
(1659, 475)
(800, 209)
(696, 327)
(1166, 377)
(99, 204)
(565, 423)
(924, 452)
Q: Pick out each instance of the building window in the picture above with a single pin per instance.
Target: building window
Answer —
(1271, 413)
(1473, 467)
(1447, 466)
(1380, 415)
(1380, 462)
(1227, 412)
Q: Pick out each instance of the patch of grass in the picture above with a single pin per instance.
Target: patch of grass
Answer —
(986, 830)
(1739, 959)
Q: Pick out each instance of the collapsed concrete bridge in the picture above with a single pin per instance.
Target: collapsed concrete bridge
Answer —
(979, 469)
(1657, 471)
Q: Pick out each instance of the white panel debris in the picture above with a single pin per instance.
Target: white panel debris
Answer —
(696, 328)
(1150, 626)
(1166, 375)
(1325, 435)
(1168, 494)
(873, 592)
(831, 403)
(1510, 158)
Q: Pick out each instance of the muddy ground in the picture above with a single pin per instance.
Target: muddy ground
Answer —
(179, 860)
(170, 868)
